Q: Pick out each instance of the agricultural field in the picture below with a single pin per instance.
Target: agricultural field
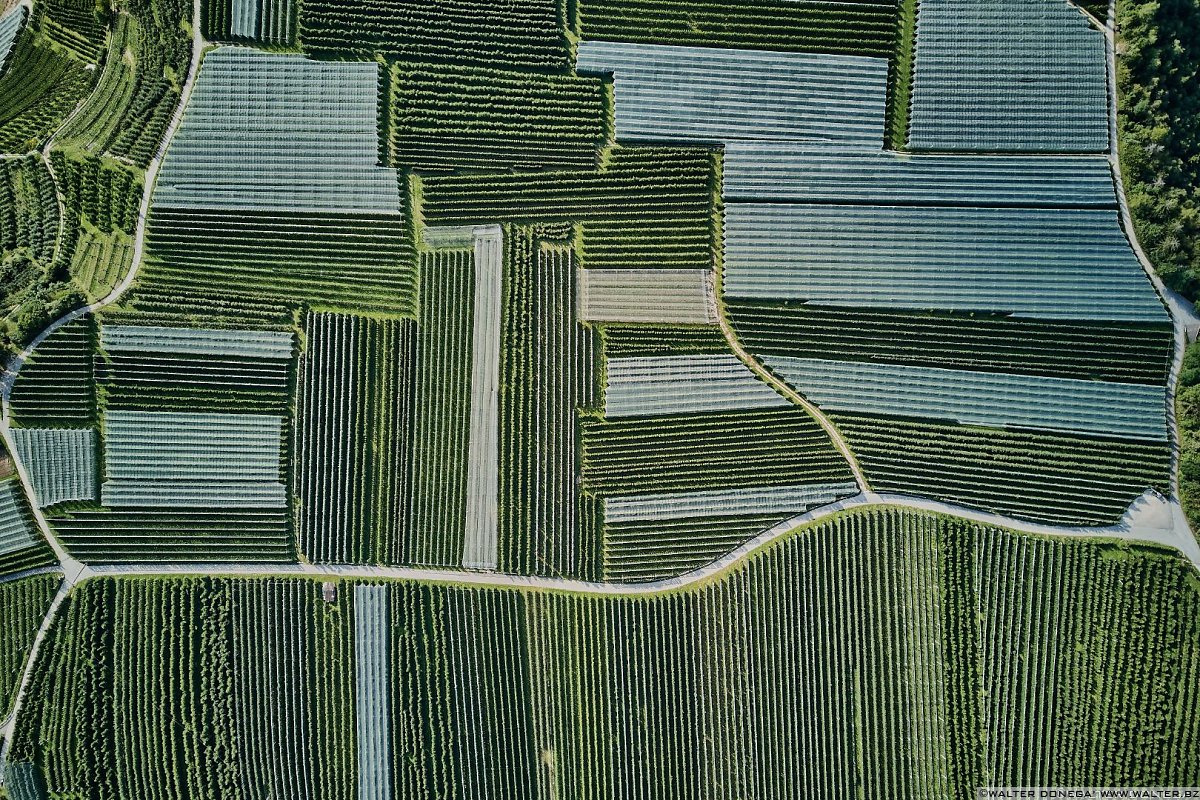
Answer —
(595, 398)
(753, 685)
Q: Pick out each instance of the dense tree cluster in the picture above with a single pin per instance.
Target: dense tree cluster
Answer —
(1160, 133)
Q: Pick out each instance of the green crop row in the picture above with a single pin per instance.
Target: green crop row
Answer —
(648, 455)
(23, 604)
(1132, 352)
(450, 118)
(131, 536)
(640, 341)
(441, 409)
(663, 548)
(858, 27)
(56, 386)
(502, 33)
(1060, 479)
(194, 383)
(547, 368)
(352, 428)
(649, 208)
(362, 262)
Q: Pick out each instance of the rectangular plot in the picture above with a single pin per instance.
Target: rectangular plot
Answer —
(805, 173)
(479, 547)
(684, 385)
(680, 296)
(180, 459)
(861, 27)
(360, 261)
(1050, 264)
(667, 92)
(194, 535)
(373, 692)
(1126, 352)
(278, 131)
(169, 494)
(446, 118)
(979, 398)
(197, 447)
(707, 451)
(275, 345)
(352, 442)
(61, 463)
(997, 75)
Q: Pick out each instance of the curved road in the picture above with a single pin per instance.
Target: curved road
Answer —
(72, 569)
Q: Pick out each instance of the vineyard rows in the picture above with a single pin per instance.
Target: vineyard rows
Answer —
(648, 550)
(1129, 353)
(707, 451)
(650, 208)
(441, 409)
(1080, 646)
(691, 94)
(352, 446)
(683, 297)
(452, 118)
(23, 603)
(858, 27)
(361, 262)
(56, 387)
(877, 654)
(231, 310)
(1054, 478)
(970, 397)
(527, 34)
(638, 341)
(548, 368)
(198, 535)
(61, 463)
(195, 369)
(639, 387)
(960, 101)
